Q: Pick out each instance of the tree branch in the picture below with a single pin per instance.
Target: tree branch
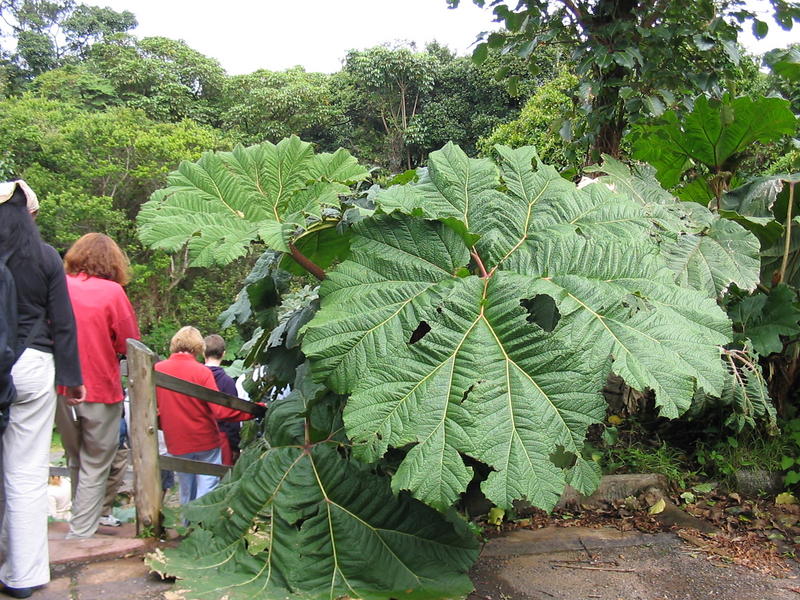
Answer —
(302, 260)
(574, 9)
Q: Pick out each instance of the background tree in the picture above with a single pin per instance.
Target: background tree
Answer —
(633, 59)
(464, 103)
(269, 105)
(165, 78)
(538, 124)
(393, 83)
(47, 33)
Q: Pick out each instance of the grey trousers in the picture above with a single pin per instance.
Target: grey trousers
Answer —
(115, 476)
(90, 443)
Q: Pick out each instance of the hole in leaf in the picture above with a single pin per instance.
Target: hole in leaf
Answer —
(466, 393)
(470, 389)
(635, 303)
(563, 459)
(542, 311)
(299, 523)
(419, 333)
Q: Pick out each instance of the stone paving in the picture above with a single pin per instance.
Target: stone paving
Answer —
(606, 564)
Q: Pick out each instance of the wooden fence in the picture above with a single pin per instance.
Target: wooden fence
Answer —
(143, 380)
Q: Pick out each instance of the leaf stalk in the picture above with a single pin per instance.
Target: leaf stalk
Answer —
(477, 258)
(305, 262)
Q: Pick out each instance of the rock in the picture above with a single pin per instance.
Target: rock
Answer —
(613, 487)
(753, 482)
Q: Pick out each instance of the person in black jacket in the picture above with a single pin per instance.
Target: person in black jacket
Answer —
(46, 329)
(214, 353)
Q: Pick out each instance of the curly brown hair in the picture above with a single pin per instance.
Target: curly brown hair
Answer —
(97, 255)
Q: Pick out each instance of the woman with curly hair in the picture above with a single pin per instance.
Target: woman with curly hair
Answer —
(96, 270)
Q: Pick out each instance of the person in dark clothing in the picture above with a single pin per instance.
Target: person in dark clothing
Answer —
(46, 327)
(214, 352)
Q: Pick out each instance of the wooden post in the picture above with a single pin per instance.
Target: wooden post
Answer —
(144, 439)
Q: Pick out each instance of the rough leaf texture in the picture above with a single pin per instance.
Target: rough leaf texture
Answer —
(299, 519)
(505, 363)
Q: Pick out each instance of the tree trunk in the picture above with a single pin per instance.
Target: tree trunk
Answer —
(395, 151)
(609, 136)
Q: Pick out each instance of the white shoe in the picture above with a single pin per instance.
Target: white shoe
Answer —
(110, 521)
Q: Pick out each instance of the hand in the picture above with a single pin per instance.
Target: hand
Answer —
(75, 394)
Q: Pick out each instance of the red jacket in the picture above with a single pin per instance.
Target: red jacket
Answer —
(105, 319)
(189, 424)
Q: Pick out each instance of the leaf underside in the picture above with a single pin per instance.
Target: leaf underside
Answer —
(303, 520)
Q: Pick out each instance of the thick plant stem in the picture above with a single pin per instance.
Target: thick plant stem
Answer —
(306, 263)
(787, 244)
(477, 258)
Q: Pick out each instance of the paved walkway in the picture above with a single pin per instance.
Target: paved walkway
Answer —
(109, 542)
(578, 563)
(107, 566)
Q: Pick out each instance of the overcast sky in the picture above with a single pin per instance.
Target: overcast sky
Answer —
(246, 35)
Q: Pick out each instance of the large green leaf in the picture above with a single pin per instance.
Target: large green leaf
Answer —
(765, 318)
(784, 62)
(227, 200)
(300, 520)
(505, 368)
(368, 295)
(482, 382)
(711, 260)
(619, 301)
(711, 134)
(751, 205)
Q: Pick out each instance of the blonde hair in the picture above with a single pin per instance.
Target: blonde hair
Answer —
(187, 339)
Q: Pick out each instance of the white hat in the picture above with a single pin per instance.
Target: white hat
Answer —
(7, 191)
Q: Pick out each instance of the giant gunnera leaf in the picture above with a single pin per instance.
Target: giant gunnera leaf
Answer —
(480, 315)
(225, 201)
(302, 520)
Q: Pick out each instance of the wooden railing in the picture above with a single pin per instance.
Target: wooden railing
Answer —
(143, 380)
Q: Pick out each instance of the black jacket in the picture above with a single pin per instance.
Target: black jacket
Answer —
(43, 302)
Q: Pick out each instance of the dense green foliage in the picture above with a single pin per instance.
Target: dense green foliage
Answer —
(699, 155)
(618, 49)
(538, 124)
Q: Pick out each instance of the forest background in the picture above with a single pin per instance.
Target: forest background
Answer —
(95, 119)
